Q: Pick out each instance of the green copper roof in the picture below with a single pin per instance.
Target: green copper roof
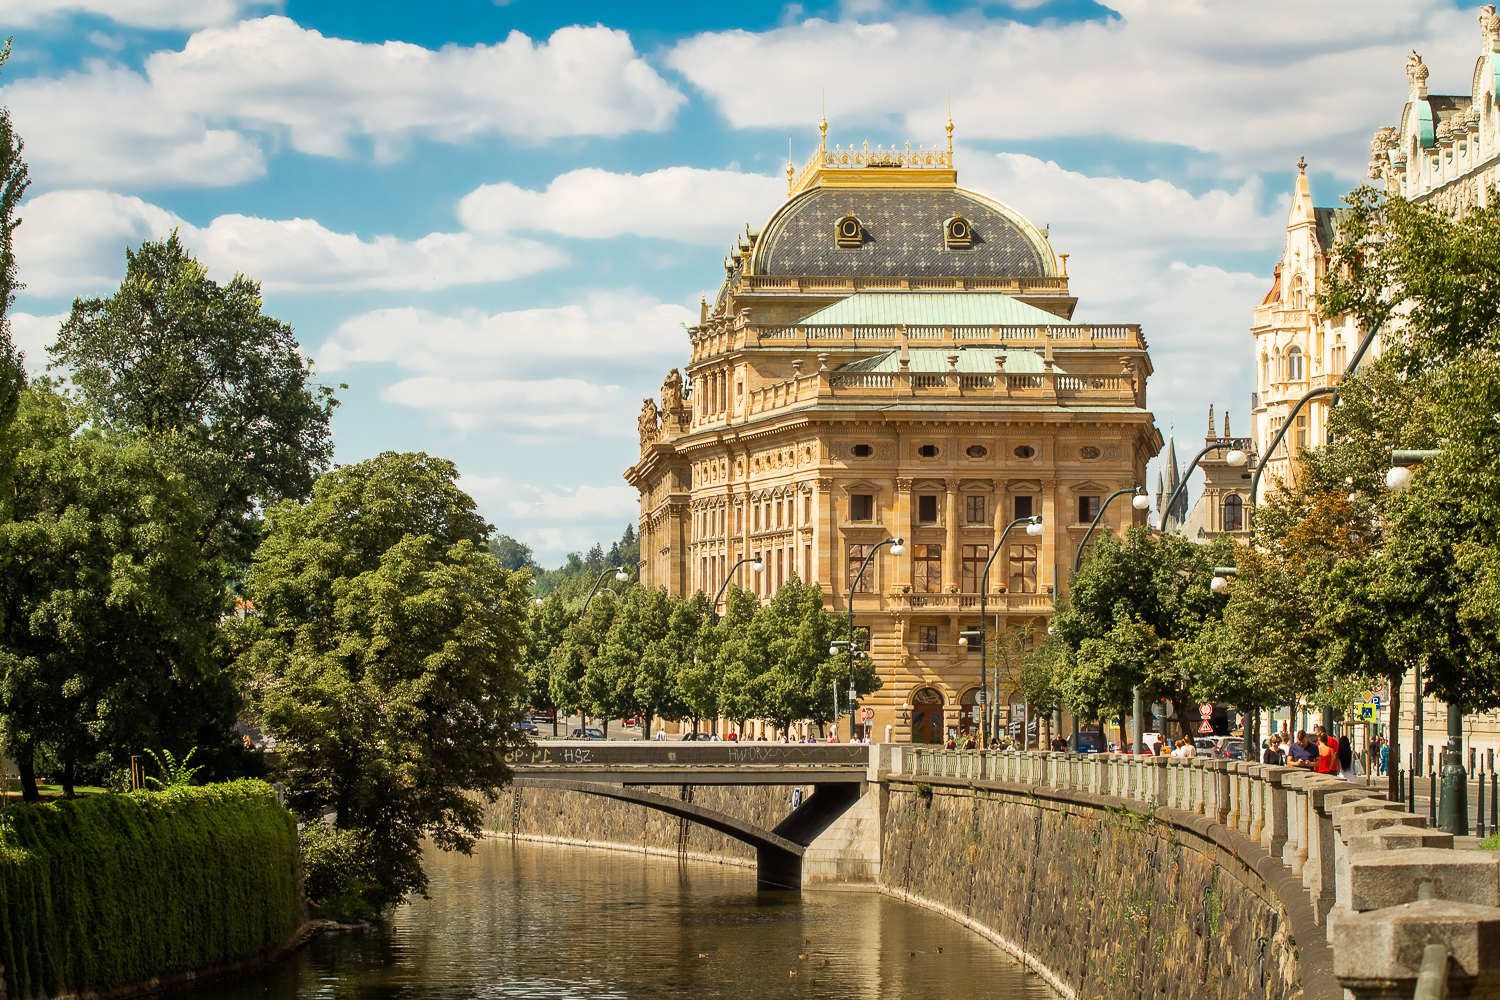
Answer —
(932, 309)
(970, 359)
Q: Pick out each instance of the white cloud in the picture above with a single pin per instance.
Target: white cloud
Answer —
(556, 407)
(504, 371)
(552, 519)
(179, 14)
(605, 326)
(33, 335)
(677, 203)
(1137, 252)
(184, 121)
(108, 125)
(1252, 84)
(73, 242)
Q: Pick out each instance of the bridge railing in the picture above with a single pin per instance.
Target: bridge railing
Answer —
(1382, 884)
(650, 753)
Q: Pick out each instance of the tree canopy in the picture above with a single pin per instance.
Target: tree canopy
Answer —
(386, 648)
(208, 379)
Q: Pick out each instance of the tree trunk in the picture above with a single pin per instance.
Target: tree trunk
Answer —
(70, 774)
(605, 724)
(27, 766)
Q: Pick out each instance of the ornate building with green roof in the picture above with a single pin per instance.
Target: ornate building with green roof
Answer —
(893, 356)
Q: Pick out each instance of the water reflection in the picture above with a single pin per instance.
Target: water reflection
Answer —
(542, 921)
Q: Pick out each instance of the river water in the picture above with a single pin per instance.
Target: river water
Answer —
(543, 921)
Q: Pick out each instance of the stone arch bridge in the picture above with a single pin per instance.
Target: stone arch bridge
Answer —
(627, 772)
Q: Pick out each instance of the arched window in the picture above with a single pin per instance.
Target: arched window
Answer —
(1265, 371)
(1299, 293)
(1296, 369)
(1234, 513)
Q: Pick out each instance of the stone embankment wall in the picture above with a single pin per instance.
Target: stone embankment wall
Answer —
(1101, 902)
(587, 820)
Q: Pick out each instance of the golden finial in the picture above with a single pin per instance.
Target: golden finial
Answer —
(1064, 263)
(789, 169)
(950, 130)
(1301, 164)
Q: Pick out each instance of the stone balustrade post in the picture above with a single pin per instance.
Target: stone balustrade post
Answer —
(1294, 852)
(1273, 831)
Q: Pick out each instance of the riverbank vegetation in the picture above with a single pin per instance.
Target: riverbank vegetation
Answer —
(111, 890)
(184, 572)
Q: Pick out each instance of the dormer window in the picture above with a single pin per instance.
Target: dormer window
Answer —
(958, 234)
(848, 233)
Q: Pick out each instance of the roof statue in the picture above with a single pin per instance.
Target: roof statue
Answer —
(1416, 73)
(1489, 28)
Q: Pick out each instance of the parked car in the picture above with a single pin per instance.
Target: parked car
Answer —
(587, 733)
(526, 726)
(700, 737)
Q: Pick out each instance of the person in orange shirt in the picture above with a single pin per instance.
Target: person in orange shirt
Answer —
(1328, 753)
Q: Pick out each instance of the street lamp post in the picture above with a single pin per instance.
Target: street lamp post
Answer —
(1237, 457)
(620, 575)
(755, 564)
(1141, 502)
(898, 546)
(1033, 527)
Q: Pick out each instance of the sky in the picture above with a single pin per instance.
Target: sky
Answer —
(492, 220)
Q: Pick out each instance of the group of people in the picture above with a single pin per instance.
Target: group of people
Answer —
(1319, 751)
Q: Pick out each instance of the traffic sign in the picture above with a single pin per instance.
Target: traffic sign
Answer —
(866, 714)
(1205, 710)
(1205, 727)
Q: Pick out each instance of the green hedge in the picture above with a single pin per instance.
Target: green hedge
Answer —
(111, 890)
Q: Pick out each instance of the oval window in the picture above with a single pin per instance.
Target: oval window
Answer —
(977, 451)
(1088, 451)
(1025, 451)
(863, 451)
(928, 451)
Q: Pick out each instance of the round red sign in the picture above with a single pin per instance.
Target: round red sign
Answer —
(1205, 710)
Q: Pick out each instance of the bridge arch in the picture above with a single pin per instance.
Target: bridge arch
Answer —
(778, 853)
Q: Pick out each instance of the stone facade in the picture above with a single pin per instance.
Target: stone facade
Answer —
(909, 372)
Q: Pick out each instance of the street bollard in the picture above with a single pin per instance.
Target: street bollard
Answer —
(1432, 802)
(1453, 811)
(1479, 816)
(1411, 793)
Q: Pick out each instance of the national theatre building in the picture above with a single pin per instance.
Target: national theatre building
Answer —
(893, 356)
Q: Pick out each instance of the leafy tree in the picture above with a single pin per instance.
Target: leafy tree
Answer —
(790, 636)
(213, 383)
(547, 628)
(14, 180)
(513, 555)
(387, 649)
(106, 611)
(639, 662)
(1428, 278)
(1145, 595)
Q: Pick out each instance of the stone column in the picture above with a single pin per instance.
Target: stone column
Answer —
(901, 517)
(1046, 557)
(825, 566)
(950, 546)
